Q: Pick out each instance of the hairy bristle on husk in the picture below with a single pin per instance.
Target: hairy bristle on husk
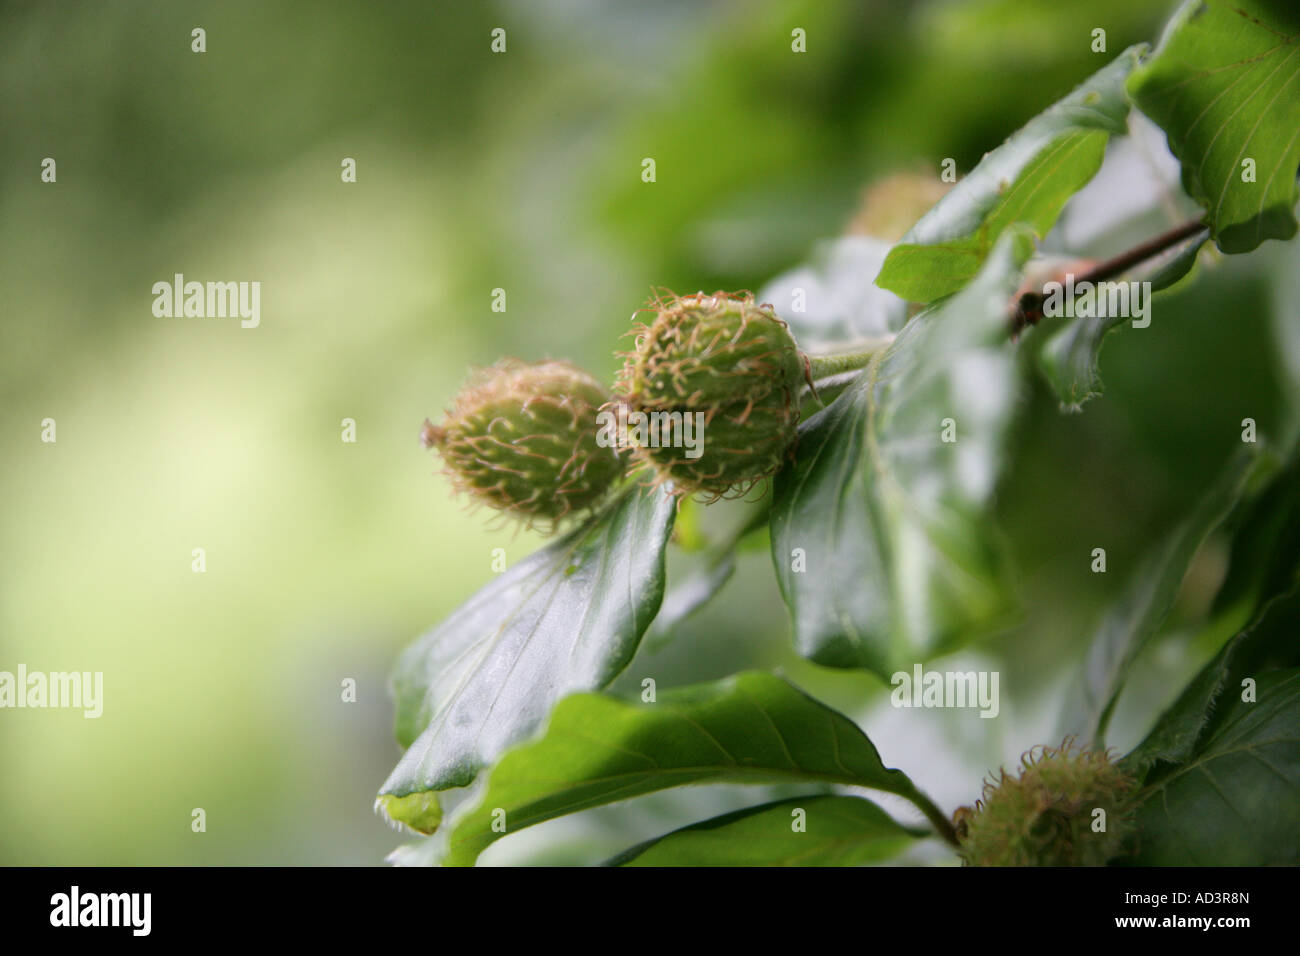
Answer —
(1048, 813)
(521, 438)
(728, 361)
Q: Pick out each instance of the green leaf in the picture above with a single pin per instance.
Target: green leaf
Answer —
(1027, 179)
(1070, 356)
(1137, 194)
(838, 831)
(1221, 774)
(565, 619)
(1236, 800)
(1142, 609)
(1267, 643)
(1170, 270)
(1134, 197)
(1265, 549)
(750, 728)
(1224, 84)
(889, 519)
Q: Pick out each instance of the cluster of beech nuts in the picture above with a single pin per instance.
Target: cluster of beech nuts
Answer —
(526, 438)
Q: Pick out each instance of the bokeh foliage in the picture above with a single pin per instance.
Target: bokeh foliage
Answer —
(475, 172)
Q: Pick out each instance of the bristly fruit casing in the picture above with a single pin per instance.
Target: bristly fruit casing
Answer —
(733, 364)
(1049, 814)
(522, 438)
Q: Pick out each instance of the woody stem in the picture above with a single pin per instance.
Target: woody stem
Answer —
(1030, 307)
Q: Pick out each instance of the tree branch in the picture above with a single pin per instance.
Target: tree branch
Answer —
(1029, 308)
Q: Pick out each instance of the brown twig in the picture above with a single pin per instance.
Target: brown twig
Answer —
(1029, 307)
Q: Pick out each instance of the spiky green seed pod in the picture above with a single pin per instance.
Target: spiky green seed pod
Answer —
(522, 439)
(731, 363)
(1047, 816)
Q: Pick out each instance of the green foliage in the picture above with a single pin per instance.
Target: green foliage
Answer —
(750, 728)
(1146, 602)
(885, 541)
(1221, 767)
(1266, 643)
(888, 517)
(1070, 356)
(1264, 559)
(480, 171)
(1224, 83)
(835, 831)
(1233, 800)
(1026, 180)
(567, 618)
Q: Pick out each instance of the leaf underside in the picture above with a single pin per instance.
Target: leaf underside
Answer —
(567, 618)
(1070, 357)
(880, 534)
(1224, 84)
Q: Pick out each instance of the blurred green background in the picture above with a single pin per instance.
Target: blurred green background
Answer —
(475, 171)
